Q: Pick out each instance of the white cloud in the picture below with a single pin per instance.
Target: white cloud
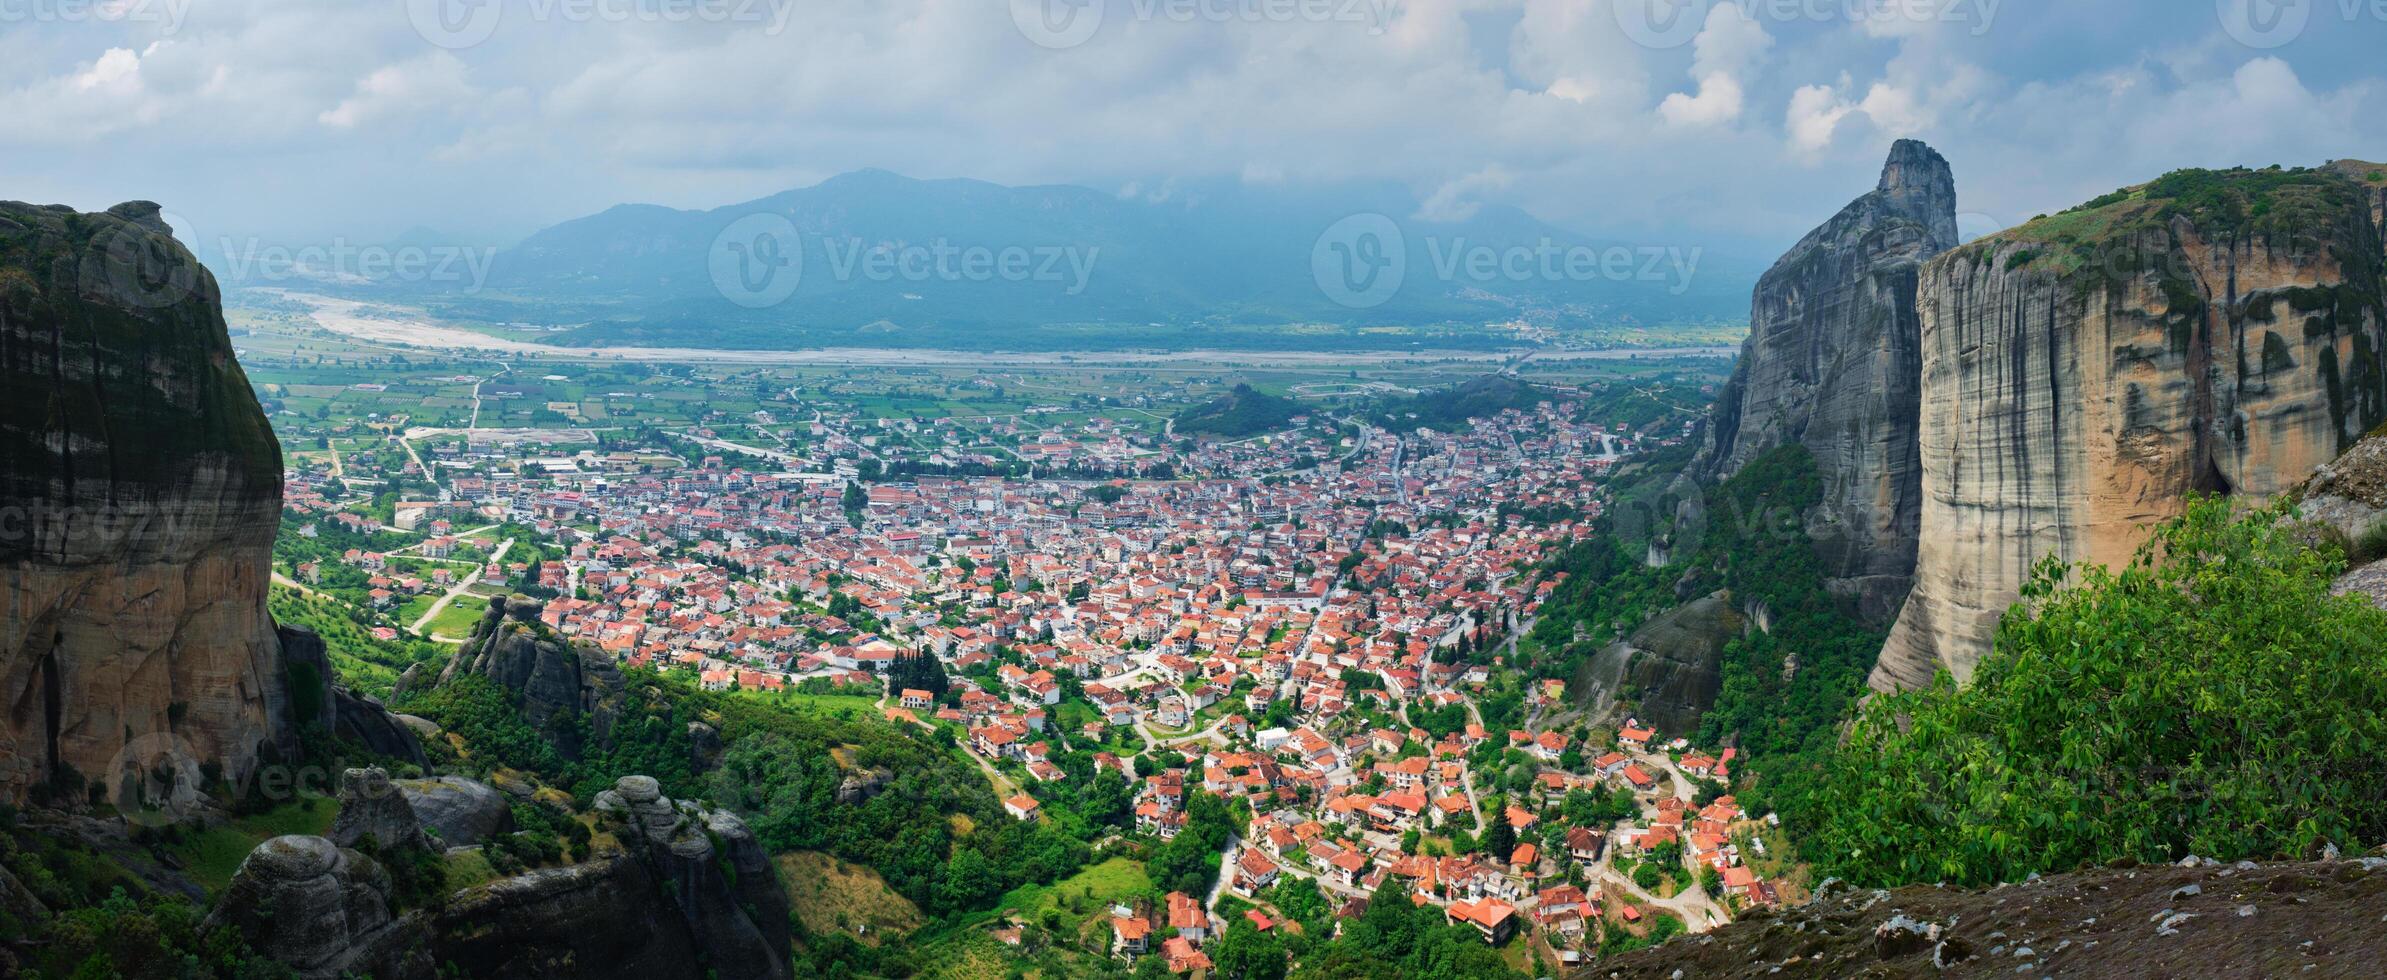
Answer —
(1544, 104)
(1718, 101)
(1453, 201)
(1815, 112)
(1575, 51)
(432, 83)
(1729, 45)
(1730, 42)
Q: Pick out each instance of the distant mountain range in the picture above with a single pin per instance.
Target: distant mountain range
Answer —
(875, 258)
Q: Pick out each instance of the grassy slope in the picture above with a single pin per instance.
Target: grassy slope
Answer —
(212, 855)
(835, 896)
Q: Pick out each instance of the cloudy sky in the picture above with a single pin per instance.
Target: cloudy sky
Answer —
(1703, 120)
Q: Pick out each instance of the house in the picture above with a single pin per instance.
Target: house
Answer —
(1133, 934)
(1495, 920)
(1551, 904)
(1021, 807)
(1635, 738)
(1183, 957)
(1254, 872)
(1642, 781)
(1523, 860)
(1585, 844)
(1189, 918)
(917, 699)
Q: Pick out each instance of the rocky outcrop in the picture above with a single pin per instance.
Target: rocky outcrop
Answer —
(1833, 363)
(729, 893)
(593, 919)
(690, 894)
(548, 674)
(2198, 918)
(675, 892)
(2213, 331)
(322, 910)
(140, 489)
(458, 811)
(372, 810)
(704, 748)
(344, 714)
(1671, 668)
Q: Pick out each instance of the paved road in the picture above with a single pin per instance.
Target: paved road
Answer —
(1226, 871)
(470, 578)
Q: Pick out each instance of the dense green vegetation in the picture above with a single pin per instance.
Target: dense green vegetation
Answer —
(103, 921)
(1188, 862)
(1245, 411)
(1756, 546)
(1451, 409)
(365, 665)
(783, 769)
(788, 784)
(1752, 545)
(2210, 698)
(1397, 938)
(2130, 232)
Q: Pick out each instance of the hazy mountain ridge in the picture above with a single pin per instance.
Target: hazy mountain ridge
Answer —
(1200, 255)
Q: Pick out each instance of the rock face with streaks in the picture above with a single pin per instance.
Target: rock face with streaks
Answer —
(1672, 668)
(1833, 362)
(140, 490)
(2213, 331)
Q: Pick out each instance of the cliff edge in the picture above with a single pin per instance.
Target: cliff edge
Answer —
(2211, 331)
(1833, 362)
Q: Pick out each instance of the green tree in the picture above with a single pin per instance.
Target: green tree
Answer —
(2211, 698)
(1246, 953)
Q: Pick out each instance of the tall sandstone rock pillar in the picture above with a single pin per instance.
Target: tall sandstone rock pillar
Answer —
(1833, 362)
(2214, 332)
(140, 488)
